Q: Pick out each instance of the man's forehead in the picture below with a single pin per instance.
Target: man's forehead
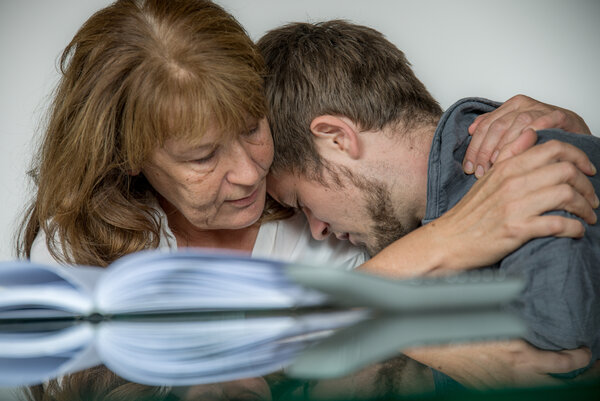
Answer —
(282, 187)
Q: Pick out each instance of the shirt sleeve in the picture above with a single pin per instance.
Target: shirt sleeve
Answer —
(561, 300)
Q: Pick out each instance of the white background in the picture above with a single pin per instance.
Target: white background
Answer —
(548, 49)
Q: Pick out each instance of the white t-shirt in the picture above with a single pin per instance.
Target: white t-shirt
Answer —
(288, 240)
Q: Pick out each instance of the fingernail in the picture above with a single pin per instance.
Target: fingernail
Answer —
(495, 156)
(596, 201)
(593, 169)
(469, 167)
(479, 172)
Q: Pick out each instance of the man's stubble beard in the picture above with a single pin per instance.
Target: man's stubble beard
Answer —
(386, 227)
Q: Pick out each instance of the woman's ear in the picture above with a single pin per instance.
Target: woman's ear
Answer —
(336, 134)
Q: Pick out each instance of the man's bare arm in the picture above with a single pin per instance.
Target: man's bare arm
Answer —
(501, 364)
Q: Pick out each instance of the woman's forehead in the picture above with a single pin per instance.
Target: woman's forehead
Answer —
(208, 137)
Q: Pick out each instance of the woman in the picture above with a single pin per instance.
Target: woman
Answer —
(157, 137)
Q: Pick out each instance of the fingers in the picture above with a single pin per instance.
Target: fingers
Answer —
(475, 124)
(471, 154)
(501, 132)
(555, 186)
(533, 359)
(590, 374)
(555, 119)
(488, 131)
(548, 152)
(524, 215)
(518, 123)
(517, 146)
(563, 361)
(559, 197)
(551, 225)
(492, 131)
(518, 102)
(486, 138)
(511, 126)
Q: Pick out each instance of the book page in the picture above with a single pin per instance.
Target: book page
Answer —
(31, 353)
(30, 290)
(154, 281)
(207, 351)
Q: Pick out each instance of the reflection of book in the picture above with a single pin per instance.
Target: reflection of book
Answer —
(193, 317)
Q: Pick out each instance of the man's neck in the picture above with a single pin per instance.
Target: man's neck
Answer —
(408, 178)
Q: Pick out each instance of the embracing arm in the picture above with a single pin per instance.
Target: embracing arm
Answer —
(492, 131)
(501, 212)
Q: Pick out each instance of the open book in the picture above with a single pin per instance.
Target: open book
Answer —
(193, 317)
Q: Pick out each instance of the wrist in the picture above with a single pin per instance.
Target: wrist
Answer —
(422, 252)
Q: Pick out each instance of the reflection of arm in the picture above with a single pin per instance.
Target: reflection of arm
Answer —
(500, 364)
(516, 363)
(560, 304)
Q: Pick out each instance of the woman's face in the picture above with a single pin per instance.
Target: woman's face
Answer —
(214, 185)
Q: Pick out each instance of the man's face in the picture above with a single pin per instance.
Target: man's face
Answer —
(360, 211)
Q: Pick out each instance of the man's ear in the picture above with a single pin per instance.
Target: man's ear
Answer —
(337, 133)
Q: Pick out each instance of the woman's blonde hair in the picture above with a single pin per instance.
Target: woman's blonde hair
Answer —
(136, 74)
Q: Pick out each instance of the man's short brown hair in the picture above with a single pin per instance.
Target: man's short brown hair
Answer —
(336, 68)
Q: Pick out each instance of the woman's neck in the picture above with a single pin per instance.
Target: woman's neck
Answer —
(242, 239)
(188, 235)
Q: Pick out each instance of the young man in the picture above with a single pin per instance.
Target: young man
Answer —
(368, 155)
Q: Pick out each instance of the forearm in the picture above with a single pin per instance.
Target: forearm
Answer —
(422, 252)
(498, 364)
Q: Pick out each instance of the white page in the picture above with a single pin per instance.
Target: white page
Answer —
(40, 288)
(34, 358)
(39, 344)
(55, 297)
(187, 280)
(196, 352)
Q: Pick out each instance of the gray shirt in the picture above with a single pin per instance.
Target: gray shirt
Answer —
(561, 300)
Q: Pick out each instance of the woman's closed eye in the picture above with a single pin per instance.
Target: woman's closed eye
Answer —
(206, 158)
